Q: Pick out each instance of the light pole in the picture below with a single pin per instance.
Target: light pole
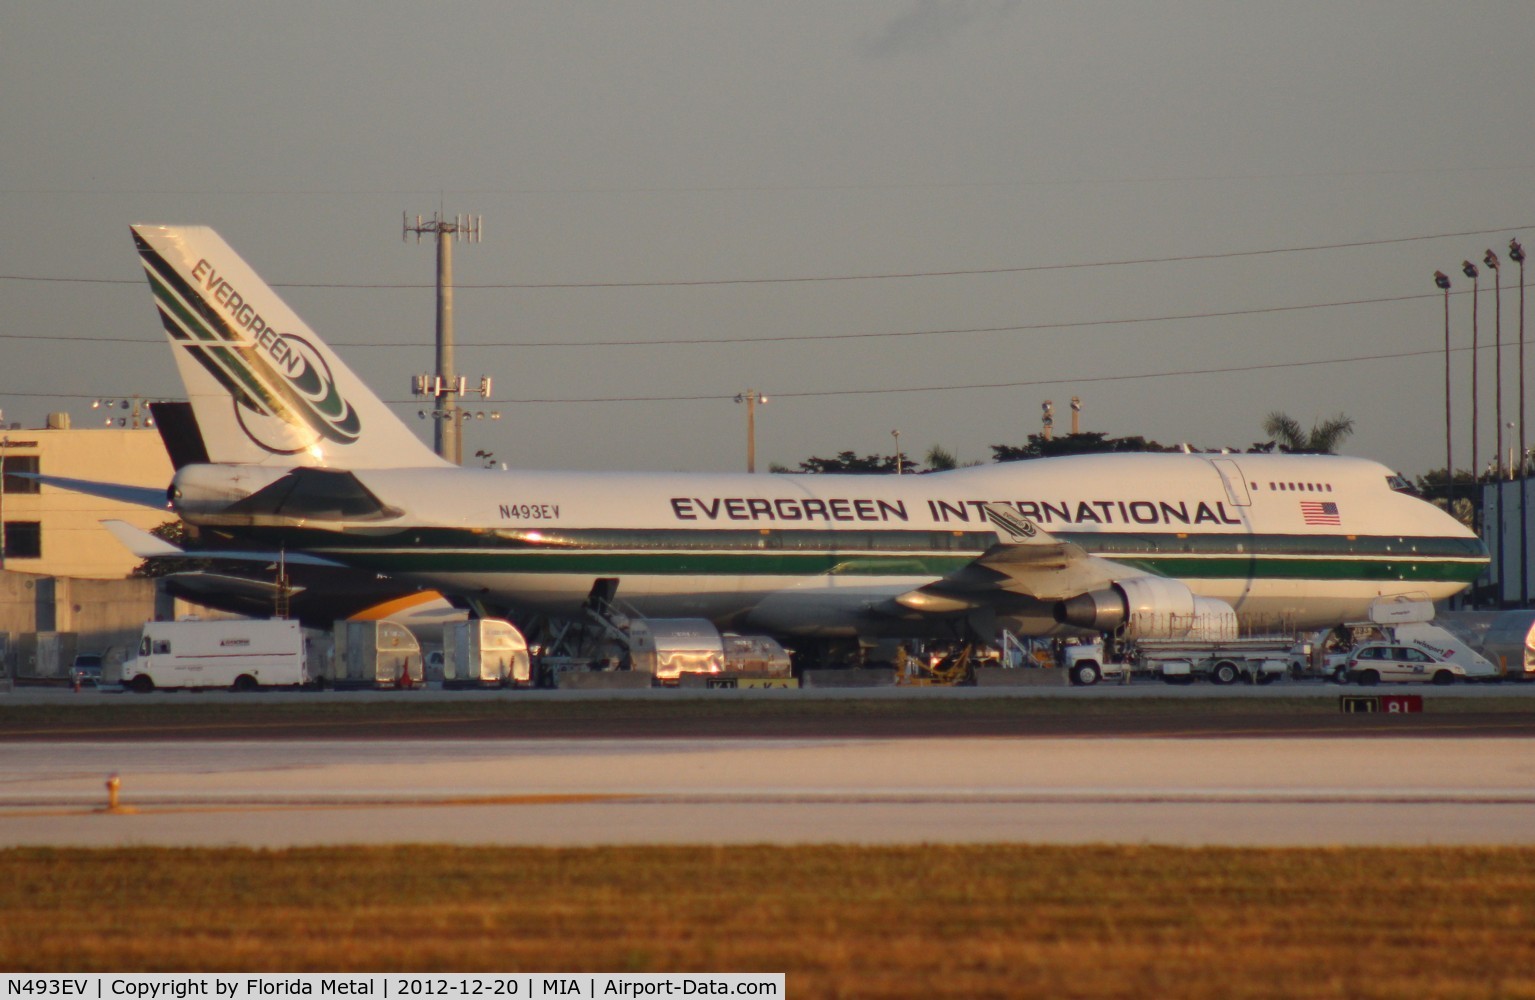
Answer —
(1442, 281)
(133, 403)
(1491, 260)
(751, 397)
(1516, 254)
(1476, 522)
(898, 461)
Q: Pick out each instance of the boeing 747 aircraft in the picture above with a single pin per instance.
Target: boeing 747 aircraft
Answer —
(303, 456)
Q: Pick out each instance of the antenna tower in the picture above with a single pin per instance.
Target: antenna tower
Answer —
(446, 386)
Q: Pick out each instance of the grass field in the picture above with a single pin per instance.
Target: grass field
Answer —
(991, 921)
(320, 715)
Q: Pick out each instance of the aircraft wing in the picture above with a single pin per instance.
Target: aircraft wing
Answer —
(1026, 562)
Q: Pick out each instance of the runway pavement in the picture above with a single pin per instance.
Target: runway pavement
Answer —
(1252, 790)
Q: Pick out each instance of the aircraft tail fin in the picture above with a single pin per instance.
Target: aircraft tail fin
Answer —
(179, 433)
(265, 388)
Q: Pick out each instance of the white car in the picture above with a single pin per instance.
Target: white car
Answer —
(1375, 662)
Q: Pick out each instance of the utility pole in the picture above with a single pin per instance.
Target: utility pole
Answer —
(446, 386)
(751, 397)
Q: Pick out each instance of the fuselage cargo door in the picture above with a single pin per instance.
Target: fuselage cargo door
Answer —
(1236, 483)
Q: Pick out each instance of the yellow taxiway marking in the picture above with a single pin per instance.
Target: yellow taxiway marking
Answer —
(150, 732)
(28, 812)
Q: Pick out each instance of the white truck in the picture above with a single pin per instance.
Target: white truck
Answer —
(239, 654)
(1223, 661)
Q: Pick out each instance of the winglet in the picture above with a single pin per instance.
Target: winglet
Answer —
(1012, 527)
(1026, 561)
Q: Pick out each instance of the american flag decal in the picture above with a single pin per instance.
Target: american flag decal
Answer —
(1320, 512)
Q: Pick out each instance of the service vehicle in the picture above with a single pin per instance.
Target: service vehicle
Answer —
(1510, 643)
(239, 654)
(1259, 660)
(86, 670)
(1403, 661)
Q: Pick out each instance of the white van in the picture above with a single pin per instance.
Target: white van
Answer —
(239, 654)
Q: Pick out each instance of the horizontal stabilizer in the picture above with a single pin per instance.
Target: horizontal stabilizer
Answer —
(222, 586)
(141, 543)
(139, 496)
(147, 546)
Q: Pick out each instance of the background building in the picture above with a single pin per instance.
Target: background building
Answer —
(63, 586)
(54, 532)
(1507, 507)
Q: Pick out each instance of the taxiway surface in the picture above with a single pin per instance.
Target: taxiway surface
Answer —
(1248, 790)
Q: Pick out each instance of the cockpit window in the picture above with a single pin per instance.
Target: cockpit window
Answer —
(1401, 485)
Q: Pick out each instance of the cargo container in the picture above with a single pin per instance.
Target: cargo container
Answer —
(484, 652)
(376, 654)
(759, 655)
(669, 647)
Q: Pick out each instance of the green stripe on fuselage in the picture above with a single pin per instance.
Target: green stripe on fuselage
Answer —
(804, 553)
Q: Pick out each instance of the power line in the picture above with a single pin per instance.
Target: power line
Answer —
(960, 272)
(788, 338)
(989, 270)
(1068, 325)
(1234, 369)
(1073, 181)
(1176, 373)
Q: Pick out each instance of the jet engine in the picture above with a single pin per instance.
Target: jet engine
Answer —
(1150, 607)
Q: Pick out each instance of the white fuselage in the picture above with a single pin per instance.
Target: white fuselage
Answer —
(1295, 540)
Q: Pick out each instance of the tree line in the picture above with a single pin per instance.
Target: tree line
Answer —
(1285, 435)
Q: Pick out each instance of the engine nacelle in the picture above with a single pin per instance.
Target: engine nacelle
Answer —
(1150, 607)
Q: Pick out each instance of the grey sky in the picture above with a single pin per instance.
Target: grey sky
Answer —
(666, 142)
